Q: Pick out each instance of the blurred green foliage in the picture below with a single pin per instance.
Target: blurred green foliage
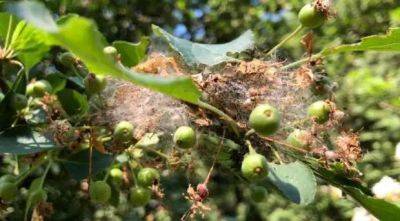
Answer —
(368, 87)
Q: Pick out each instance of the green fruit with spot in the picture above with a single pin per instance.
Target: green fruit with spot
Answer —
(320, 111)
(100, 192)
(37, 196)
(18, 101)
(94, 84)
(254, 167)
(67, 58)
(299, 138)
(147, 176)
(38, 88)
(116, 173)
(8, 178)
(258, 193)
(265, 119)
(311, 17)
(185, 137)
(8, 190)
(123, 132)
(110, 50)
(139, 196)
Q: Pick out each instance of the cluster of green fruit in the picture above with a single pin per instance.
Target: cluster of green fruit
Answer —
(9, 189)
(265, 120)
(139, 195)
(36, 89)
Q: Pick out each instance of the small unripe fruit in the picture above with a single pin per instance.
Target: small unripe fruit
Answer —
(8, 190)
(100, 192)
(110, 50)
(67, 58)
(8, 178)
(38, 88)
(37, 196)
(299, 138)
(147, 176)
(265, 119)
(185, 137)
(139, 196)
(202, 191)
(116, 173)
(311, 17)
(123, 131)
(320, 111)
(258, 193)
(94, 84)
(18, 101)
(254, 167)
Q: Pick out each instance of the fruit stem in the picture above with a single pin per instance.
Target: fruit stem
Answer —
(251, 149)
(231, 122)
(156, 152)
(6, 44)
(276, 154)
(215, 159)
(291, 35)
(250, 132)
(45, 173)
(90, 155)
(26, 174)
(284, 144)
(299, 62)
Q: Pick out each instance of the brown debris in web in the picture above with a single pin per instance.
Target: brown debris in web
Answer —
(158, 63)
(325, 6)
(238, 88)
(348, 146)
(147, 110)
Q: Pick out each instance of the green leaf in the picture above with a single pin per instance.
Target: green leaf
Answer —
(4, 24)
(37, 116)
(206, 54)
(381, 209)
(388, 42)
(81, 37)
(57, 81)
(36, 12)
(132, 53)
(24, 140)
(78, 164)
(295, 180)
(28, 43)
(73, 102)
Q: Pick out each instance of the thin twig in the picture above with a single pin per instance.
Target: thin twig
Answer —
(215, 158)
(291, 35)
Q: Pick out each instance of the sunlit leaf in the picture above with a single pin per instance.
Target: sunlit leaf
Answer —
(81, 37)
(27, 43)
(132, 53)
(206, 54)
(24, 140)
(388, 42)
(381, 209)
